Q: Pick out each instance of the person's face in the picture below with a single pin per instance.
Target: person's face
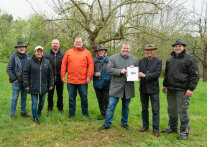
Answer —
(178, 48)
(78, 43)
(101, 53)
(55, 44)
(21, 49)
(39, 53)
(125, 50)
(149, 53)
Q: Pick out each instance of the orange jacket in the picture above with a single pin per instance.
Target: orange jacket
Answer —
(79, 64)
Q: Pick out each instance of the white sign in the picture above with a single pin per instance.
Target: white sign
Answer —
(132, 73)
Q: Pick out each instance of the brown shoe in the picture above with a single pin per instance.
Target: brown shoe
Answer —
(143, 129)
(156, 134)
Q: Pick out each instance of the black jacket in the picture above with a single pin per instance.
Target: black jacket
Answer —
(181, 72)
(152, 69)
(38, 75)
(55, 61)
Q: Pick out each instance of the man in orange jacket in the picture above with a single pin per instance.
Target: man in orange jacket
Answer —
(80, 67)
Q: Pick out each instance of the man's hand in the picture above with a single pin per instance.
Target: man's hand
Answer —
(123, 71)
(189, 93)
(141, 74)
(27, 88)
(88, 80)
(98, 74)
(16, 81)
(50, 88)
(63, 80)
(164, 89)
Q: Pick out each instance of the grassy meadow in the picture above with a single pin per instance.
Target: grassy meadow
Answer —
(58, 130)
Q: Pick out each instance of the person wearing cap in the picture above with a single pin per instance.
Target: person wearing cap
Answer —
(180, 79)
(79, 64)
(55, 56)
(150, 68)
(120, 87)
(15, 69)
(37, 78)
(101, 79)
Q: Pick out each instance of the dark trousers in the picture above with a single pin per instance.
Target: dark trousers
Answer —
(103, 99)
(178, 104)
(59, 89)
(82, 90)
(154, 98)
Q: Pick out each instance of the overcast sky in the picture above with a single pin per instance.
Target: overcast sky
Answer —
(22, 9)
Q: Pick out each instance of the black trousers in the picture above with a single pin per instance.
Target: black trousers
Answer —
(59, 88)
(178, 104)
(103, 99)
(154, 98)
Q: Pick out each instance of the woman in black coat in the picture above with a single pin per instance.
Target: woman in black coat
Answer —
(37, 78)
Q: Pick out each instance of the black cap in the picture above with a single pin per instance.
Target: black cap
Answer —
(179, 42)
(20, 44)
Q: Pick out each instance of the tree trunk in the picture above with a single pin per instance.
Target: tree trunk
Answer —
(93, 47)
(204, 73)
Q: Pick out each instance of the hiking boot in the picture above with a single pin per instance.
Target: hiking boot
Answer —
(143, 129)
(71, 116)
(13, 116)
(169, 131)
(100, 117)
(126, 126)
(24, 114)
(36, 120)
(182, 136)
(156, 134)
(103, 127)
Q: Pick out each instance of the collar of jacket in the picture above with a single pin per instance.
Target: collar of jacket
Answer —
(36, 60)
(98, 58)
(124, 56)
(151, 58)
(173, 54)
(54, 53)
(79, 49)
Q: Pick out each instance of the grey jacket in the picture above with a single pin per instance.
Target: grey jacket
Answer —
(11, 68)
(119, 83)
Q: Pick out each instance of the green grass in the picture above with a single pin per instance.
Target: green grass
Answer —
(57, 130)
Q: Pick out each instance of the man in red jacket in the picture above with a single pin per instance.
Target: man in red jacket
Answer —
(79, 63)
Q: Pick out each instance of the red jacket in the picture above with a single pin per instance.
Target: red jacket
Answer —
(79, 64)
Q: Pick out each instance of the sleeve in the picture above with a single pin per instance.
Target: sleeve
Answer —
(64, 65)
(50, 76)
(111, 68)
(10, 69)
(26, 74)
(90, 66)
(157, 73)
(165, 75)
(193, 72)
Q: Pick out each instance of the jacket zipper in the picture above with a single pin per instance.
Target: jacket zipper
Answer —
(55, 67)
(40, 76)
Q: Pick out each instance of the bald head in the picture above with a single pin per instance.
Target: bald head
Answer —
(55, 45)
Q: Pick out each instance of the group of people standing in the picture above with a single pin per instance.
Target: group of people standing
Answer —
(40, 74)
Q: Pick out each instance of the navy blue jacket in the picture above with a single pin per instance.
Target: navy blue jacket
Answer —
(38, 75)
(100, 65)
(152, 69)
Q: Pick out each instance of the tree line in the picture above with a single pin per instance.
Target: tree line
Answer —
(110, 22)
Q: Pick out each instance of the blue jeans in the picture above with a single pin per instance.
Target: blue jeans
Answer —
(111, 108)
(36, 112)
(16, 88)
(82, 90)
(154, 98)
